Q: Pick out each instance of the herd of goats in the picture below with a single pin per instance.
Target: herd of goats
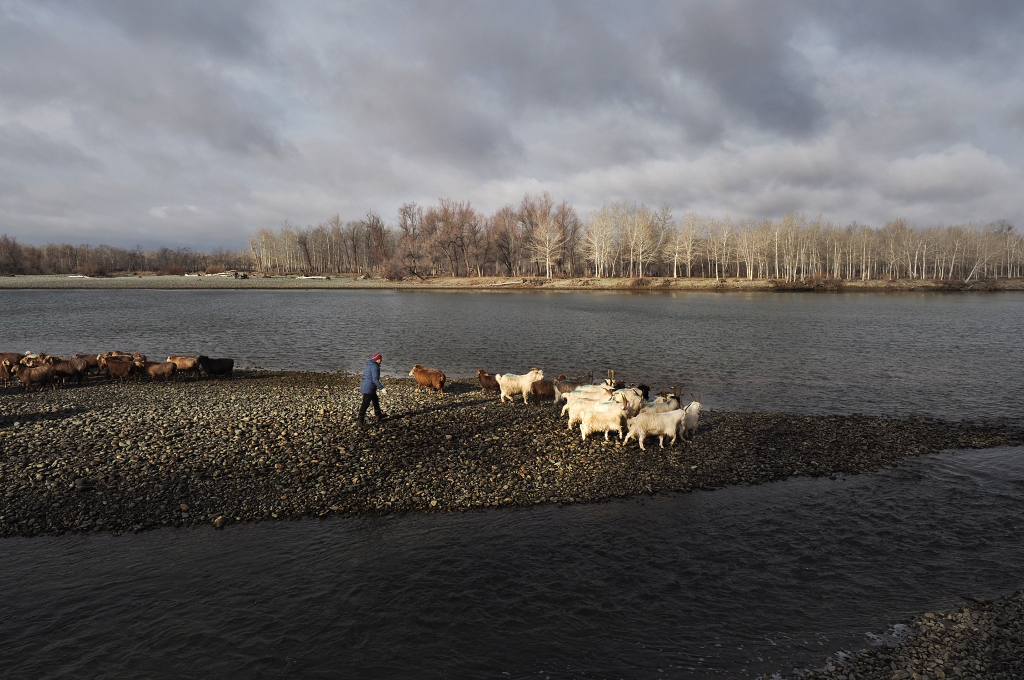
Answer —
(42, 370)
(609, 406)
(604, 407)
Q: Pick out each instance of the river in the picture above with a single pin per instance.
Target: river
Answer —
(731, 583)
(932, 354)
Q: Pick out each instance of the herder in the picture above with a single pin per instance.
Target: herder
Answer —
(371, 383)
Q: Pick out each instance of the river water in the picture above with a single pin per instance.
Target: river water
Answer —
(947, 356)
(731, 583)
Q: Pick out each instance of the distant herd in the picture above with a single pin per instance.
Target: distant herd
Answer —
(43, 370)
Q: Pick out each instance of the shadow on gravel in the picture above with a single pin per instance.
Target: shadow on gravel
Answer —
(439, 407)
(42, 417)
(461, 388)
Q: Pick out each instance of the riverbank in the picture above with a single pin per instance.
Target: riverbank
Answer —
(351, 282)
(277, 445)
(983, 640)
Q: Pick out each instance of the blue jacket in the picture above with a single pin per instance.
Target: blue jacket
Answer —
(371, 378)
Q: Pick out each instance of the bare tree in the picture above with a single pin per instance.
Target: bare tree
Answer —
(510, 239)
(600, 241)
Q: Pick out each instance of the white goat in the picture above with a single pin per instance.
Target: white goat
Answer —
(581, 406)
(512, 385)
(603, 420)
(658, 425)
(661, 405)
(598, 392)
(634, 400)
(690, 421)
(577, 388)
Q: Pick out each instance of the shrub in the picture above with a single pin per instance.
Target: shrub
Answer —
(173, 270)
(91, 268)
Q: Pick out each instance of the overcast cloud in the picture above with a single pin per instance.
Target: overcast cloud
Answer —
(195, 123)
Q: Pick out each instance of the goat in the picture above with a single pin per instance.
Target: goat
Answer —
(157, 369)
(633, 400)
(580, 407)
(603, 419)
(92, 362)
(431, 378)
(690, 419)
(602, 391)
(13, 357)
(661, 404)
(488, 383)
(545, 389)
(215, 367)
(119, 366)
(186, 363)
(30, 375)
(661, 425)
(512, 384)
(68, 368)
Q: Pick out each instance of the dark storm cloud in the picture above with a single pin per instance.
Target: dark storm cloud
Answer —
(943, 29)
(412, 109)
(226, 28)
(740, 50)
(115, 81)
(213, 119)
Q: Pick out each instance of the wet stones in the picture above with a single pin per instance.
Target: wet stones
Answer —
(275, 445)
(984, 639)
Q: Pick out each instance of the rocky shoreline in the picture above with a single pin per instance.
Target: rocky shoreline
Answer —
(983, 640)
(276, 445)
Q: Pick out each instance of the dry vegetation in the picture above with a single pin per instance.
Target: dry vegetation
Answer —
(541, 241)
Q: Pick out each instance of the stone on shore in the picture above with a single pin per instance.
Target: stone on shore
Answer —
(275, 445)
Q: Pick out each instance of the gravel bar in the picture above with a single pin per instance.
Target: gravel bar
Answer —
(282, 445)
(984, 640)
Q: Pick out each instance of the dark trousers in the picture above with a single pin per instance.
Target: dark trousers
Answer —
(368, 399)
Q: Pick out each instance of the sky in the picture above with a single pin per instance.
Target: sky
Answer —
(194, 123)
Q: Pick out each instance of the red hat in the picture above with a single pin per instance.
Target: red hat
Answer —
(376, 357)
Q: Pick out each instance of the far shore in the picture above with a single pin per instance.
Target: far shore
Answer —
(497, 283)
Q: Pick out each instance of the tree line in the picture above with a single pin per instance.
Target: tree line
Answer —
(542, 238)
(63, 258)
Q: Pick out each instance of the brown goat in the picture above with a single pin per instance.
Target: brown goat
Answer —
(13, 357)
(33, 360)
(67, 368)
(487, 381)
(186, 364)
(157, 369)
(431, 378)
(121, 367)
(31, 375)
(5, 372)
(545, 389)
(92, 362)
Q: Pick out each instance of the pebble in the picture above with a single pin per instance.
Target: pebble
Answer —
(267, 445)
(983, 640)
